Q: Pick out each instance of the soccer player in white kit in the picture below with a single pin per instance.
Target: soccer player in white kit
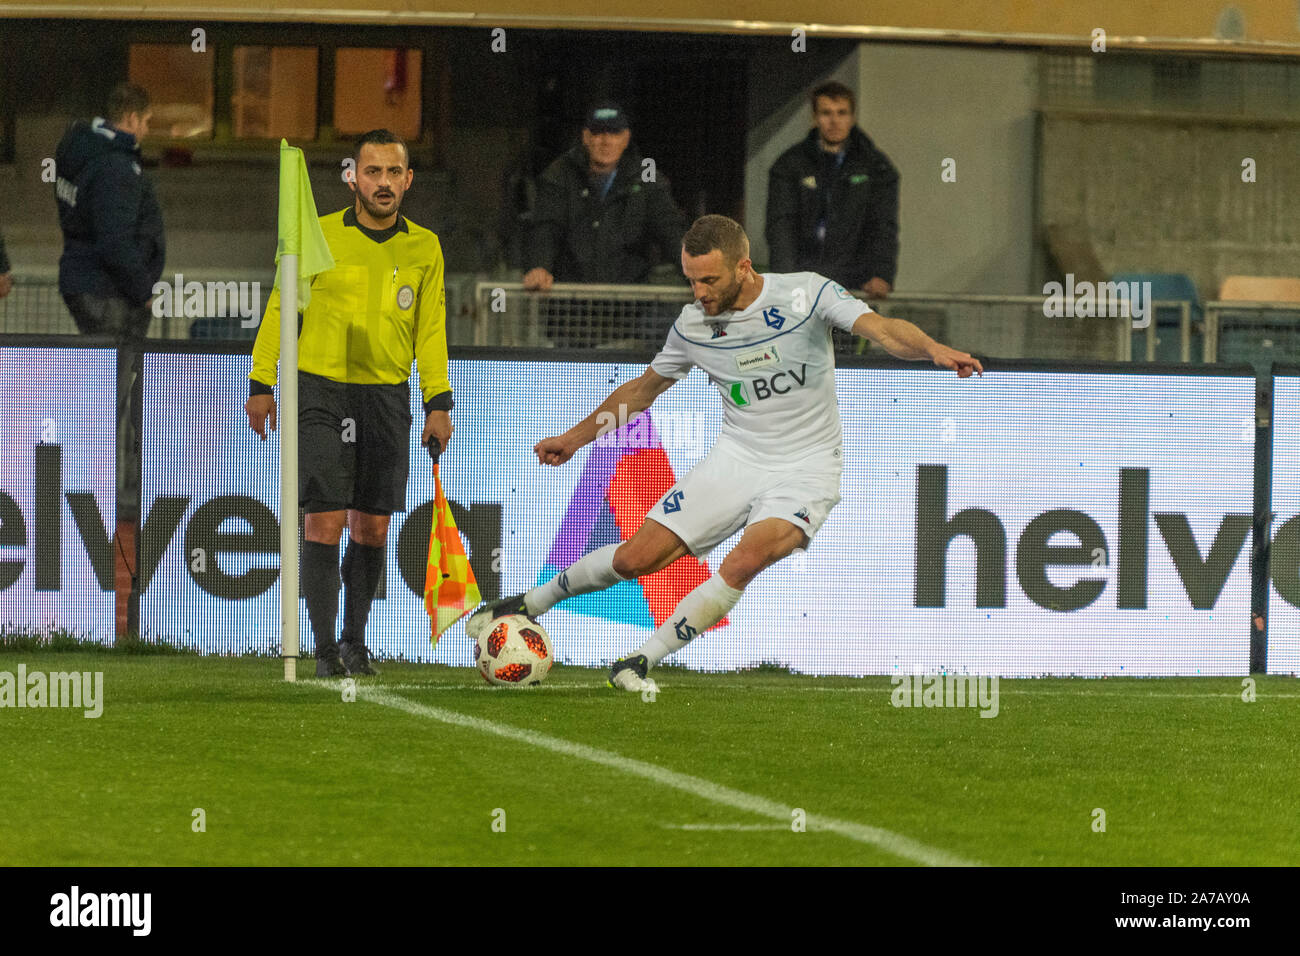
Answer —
(765, 342)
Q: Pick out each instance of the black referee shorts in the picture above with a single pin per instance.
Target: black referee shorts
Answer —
(353, 445)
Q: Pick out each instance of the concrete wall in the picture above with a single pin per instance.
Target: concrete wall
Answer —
(921, 105)
(1168, 196)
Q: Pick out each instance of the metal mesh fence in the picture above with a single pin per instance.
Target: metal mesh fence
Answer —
(576, 316)
(587, 317)
(1132, 82)
(34, 307)
(1254, 333)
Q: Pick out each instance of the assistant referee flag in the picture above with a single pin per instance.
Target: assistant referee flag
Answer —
(300, 232)
(450, 588)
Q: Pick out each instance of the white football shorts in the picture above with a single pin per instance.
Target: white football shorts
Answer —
(724, 493)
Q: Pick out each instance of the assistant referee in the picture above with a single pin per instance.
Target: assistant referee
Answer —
(380, 306)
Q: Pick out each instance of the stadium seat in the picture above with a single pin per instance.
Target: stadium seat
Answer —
(1166, 287)
(1260, 289)
(1258, 338)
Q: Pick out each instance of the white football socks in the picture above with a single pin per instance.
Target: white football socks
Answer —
(591, 572)
(697, 612)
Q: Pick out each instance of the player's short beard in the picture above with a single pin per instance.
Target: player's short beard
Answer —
(727, 299)
(374, 211)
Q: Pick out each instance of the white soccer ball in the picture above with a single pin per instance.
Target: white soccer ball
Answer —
(515, 651)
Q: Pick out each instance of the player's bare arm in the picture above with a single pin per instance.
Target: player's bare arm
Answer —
(623, 403)
(904, 340)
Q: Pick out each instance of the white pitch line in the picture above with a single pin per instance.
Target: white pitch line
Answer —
(729, 827)
(883, 691)
(890, 842)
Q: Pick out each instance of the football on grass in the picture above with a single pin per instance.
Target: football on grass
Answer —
(514, 652)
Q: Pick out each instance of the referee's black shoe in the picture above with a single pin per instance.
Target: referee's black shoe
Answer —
(355, 657)
(477, 623)
(328, 662)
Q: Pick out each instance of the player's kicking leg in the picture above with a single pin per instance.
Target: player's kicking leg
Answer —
(762, 545)
(651, 548)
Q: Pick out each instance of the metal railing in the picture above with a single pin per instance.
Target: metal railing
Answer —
(1252, 332)
(1010, 326)
(35, 307)
(573, 315)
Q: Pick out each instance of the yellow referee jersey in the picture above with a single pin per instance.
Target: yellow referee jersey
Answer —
(381, 305)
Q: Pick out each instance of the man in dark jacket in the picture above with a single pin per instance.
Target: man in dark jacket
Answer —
(832, 201)
(601, 216)
(598, 218)
(113, 246)
(113, 254)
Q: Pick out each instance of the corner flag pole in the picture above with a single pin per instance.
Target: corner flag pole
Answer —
(301, 253)
(289, 464)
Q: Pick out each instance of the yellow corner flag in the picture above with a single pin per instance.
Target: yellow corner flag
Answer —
(300, 232)
(450, 588)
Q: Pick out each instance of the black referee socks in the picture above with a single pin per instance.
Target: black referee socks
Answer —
(362, 566)
(320, 586)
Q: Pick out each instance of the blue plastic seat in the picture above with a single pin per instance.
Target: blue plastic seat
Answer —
(1166, 287)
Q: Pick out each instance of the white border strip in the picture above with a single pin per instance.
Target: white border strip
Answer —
(886, 840)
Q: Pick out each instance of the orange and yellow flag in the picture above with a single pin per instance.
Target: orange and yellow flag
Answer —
(450, 588)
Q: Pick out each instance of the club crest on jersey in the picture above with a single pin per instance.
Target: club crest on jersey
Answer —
(405, 297)
(773, 318)
(673, 503)
(719, 329)
(757, 358)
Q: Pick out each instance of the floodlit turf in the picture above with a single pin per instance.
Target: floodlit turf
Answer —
(1185, 770)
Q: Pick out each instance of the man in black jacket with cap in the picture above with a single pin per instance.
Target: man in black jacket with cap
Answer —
(598, 217)
(832, 201)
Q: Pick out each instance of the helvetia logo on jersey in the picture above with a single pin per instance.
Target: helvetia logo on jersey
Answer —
(758, 358)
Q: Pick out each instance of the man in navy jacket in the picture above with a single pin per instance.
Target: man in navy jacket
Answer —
(113, 254)
(832, 202)
(113, 246)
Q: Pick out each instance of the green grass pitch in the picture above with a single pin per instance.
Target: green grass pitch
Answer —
(430, 766)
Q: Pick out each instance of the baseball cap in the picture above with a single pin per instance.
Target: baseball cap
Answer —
(606, 118)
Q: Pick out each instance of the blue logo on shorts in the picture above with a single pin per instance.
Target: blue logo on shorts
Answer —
(673, 503)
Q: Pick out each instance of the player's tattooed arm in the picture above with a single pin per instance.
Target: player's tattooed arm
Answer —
(901, 338)
(623, 404)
